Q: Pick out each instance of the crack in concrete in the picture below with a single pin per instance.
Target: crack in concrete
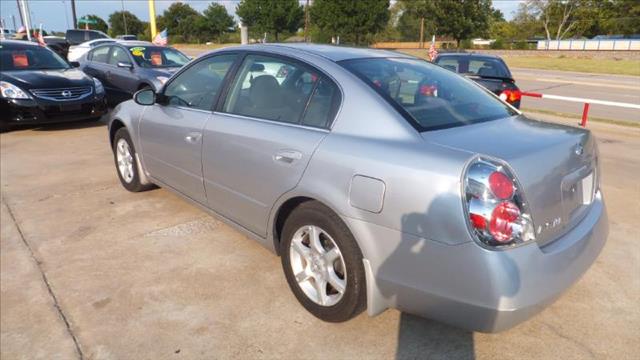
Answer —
(56, 304)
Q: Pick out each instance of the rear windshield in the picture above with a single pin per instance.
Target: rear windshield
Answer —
(428, 95)
(29, 58)
(158, 56)
(468, 65)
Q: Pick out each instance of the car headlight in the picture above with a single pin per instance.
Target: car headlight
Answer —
(10, 91)
(98, 85)
(162, 79)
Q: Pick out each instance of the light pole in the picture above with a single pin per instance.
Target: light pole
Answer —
(73, 12)
(124, 19)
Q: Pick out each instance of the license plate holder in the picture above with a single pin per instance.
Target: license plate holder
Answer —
(70, 107)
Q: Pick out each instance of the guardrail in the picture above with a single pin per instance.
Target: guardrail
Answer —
(587, 103)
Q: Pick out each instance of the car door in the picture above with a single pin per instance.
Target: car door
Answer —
(96, 65)
(122, 78)
(258, 144)
(171, 130)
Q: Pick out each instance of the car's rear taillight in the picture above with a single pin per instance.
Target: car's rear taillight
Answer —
(511, 95)
(497, 211)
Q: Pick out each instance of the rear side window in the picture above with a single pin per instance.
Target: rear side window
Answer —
(100, 54)
(428, 95)
(75, 37)
(282, 90)
(469, 65)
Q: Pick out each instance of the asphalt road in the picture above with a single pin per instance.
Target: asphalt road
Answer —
(91, 271)
(617, 88)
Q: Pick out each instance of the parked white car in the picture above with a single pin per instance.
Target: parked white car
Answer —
(76, 51)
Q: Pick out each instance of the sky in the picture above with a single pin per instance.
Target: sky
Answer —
(55, 15)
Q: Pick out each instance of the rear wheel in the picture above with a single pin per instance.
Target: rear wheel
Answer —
(126, 162)
(323, 263)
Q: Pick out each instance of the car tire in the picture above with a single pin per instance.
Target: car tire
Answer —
(314, 286)
(124, 155)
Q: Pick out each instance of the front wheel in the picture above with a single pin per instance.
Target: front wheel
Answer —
(124, 155)
(323, 263)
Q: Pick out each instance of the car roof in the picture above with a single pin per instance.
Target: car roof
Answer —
(472, 55)
(332, 52)
(129, 43)
(18, 43)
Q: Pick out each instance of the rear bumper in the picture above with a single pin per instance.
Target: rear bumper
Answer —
(31, 111)
(471, 287)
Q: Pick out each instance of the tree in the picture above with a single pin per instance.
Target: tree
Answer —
(100, 24)
(557, 16)
(183, 23)
(271, 16)
(352, 20)
(117, 24)
(414, 15)
(217, 21)
(463, 19)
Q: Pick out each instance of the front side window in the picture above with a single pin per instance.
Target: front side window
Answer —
(433, 98)
(198, 86)
(118, 55)
(281, 90)
(157, 57)
(100, 54)
(29, 58)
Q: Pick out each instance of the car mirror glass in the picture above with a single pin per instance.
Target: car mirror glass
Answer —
(145, 97)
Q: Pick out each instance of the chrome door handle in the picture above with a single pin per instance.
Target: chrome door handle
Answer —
(193, 137)
(287, 156)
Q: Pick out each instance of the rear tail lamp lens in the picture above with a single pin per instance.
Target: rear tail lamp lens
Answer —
(502, 220)
(501, 185)
(496, 209)
(511, 95)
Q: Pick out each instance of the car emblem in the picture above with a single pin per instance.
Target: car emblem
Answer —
(66, 93)
(579, 150)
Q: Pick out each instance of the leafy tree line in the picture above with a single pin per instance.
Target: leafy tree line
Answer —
(364, 21)
(183, 22)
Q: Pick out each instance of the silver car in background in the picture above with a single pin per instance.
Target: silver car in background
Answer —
(381, 180)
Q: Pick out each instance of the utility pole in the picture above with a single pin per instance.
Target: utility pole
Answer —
(124, 19)
(421, 32)
(20, 12)
(306, 22)
(13, 18)
(73, 12)
(25, 17)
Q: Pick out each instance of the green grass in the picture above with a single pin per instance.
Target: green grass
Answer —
(599, 66)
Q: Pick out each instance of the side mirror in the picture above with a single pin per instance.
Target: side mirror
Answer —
(74, 64)
(125, 65)
(145, 97)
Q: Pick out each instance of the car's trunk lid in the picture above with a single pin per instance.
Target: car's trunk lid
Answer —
(555, 165)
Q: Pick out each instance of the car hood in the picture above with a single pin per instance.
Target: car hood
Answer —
(167, 72)
(548, 159)
(47, 79)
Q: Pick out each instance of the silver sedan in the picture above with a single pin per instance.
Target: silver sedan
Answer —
(381, 180)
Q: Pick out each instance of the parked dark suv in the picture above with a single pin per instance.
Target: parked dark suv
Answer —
(78, 36)
(487, 70)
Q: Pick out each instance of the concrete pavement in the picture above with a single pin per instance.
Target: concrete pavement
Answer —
(148, 276)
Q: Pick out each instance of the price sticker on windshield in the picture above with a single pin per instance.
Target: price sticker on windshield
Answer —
(137, 51)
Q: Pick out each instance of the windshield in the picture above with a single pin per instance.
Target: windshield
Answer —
(428, 95)
(158, 57)
(29, 58)
(468, 65)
